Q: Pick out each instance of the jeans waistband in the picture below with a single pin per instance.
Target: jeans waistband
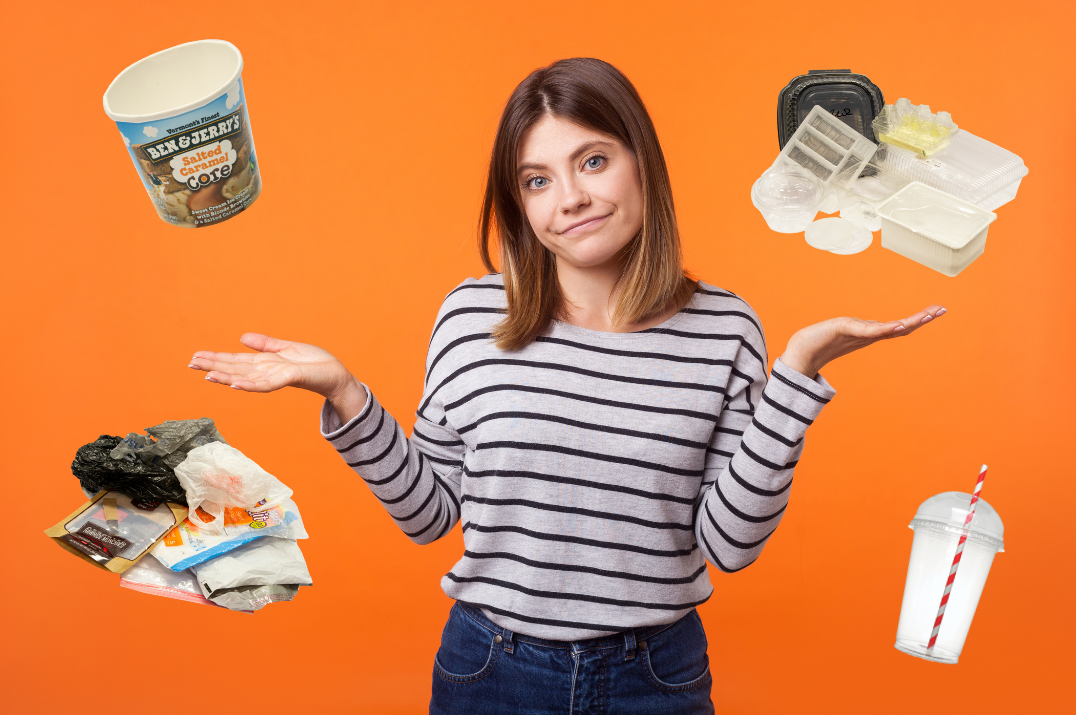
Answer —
(628, 638)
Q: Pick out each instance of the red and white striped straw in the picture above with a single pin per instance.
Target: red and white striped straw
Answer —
(956, 559)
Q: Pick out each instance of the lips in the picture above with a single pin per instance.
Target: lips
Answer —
(580, 226)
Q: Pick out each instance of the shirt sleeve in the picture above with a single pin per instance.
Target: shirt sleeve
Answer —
(754, 450)
(417, 480)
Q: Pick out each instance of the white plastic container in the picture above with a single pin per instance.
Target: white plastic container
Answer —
(828, 148)
(938, 525)
(933, 228)
(970, 168)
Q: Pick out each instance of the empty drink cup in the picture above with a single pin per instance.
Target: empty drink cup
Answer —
(788, 197)
(183, 117)
(938, 526)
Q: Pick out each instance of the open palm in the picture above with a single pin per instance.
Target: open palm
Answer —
(276, 364)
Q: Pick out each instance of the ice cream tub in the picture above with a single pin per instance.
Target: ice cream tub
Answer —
(182, 114)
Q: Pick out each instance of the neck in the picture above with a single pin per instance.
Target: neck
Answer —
(589, 294)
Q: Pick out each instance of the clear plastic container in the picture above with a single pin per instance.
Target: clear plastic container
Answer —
(970, 168)
(914, 128)
(938, 525)
(933, 228)
(788, 197)
(828, 148)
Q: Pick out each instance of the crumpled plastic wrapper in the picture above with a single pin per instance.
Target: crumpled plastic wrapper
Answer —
(254, 598)
(167, 444)
(142, 466)
(260, 563)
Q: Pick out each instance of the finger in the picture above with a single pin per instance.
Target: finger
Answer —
(914, 322)
(261, 384)
(246, 384)
(232, 368)
(229, 357)
(870, 329)
(263, 343)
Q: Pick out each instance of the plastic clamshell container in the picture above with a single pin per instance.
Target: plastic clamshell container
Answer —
(933, 228)
(828, 148)
(970, 168)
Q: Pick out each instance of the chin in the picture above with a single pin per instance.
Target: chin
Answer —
(591, 251)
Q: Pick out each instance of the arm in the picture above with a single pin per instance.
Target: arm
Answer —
(755, 448)
(759, 436)
(417, 480)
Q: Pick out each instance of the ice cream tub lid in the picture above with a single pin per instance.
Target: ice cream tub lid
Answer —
(947, 512)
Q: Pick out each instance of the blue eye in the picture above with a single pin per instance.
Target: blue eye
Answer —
(595, 162)
(538, 182)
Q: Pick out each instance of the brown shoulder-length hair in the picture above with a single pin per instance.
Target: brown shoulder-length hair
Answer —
(596, 95)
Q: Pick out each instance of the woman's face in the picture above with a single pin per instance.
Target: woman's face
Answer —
(581, 191)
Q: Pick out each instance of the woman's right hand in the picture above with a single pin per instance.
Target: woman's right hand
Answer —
(281, 363)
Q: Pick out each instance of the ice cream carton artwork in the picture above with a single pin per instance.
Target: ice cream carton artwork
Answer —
(182, 114)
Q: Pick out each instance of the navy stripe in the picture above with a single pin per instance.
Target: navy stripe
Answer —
(575, 568)
(582, 425)
(567, 596)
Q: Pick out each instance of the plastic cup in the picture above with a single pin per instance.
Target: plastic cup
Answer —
(788, 197)
(938, 525)
(183, 117)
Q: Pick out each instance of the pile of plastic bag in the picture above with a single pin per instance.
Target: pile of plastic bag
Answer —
(236, 548)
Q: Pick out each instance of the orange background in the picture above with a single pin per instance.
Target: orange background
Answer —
(373, 125)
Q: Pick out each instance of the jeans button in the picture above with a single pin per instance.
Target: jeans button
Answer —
(642, 644)
(497, 638)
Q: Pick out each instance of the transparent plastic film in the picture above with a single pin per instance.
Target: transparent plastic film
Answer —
(914, 128)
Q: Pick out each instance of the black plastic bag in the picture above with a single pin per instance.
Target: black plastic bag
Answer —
(96, 470)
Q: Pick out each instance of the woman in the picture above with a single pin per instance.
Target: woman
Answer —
(602, 425)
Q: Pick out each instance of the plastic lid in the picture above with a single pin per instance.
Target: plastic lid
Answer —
(949, 510)
(838, 235)
(788, 188)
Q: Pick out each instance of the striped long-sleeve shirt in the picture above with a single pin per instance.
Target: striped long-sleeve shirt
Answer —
(595, 473)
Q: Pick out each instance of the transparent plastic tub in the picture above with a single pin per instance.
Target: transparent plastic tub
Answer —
(938, 525)
(788, 197)
(827, 148)
(933, 228)
(970, 168)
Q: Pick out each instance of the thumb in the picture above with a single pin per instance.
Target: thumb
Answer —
(263, 343)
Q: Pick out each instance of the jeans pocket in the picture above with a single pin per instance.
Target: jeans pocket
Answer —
(676, 658)
(467, 651)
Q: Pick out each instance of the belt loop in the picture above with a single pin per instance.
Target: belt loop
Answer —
(629, 644)
(509, 646)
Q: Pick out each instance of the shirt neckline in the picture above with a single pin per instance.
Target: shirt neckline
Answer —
(601, 334)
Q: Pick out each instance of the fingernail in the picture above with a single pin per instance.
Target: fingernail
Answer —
(943, 310)
(235, 387)
(209, 378)
(899, 327)
(925, 319)
(193, 366)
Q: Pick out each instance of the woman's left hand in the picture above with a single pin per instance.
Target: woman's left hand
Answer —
(814, 346)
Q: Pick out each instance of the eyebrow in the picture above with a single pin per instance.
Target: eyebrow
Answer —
(580, 150)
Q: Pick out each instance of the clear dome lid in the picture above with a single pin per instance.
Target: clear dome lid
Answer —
(786, 187)
(949, 510)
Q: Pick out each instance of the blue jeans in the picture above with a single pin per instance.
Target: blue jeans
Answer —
(482, 668)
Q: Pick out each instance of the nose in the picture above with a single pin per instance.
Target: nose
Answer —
(572, 197)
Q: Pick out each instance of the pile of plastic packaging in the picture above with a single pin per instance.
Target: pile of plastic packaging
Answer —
(180, 513)
(930, 187)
